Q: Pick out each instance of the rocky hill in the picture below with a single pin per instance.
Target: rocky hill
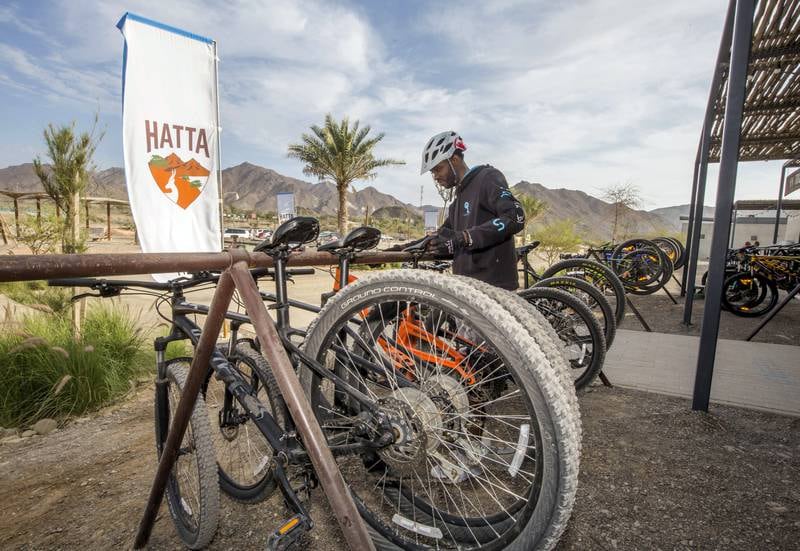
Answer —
(593, 217)
(672, 215)
(257, 186)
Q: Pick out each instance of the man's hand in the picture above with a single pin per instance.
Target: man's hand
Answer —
(448, 242)
(403, 246)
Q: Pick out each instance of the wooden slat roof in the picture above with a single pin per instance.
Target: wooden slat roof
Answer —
(766, 204)
(771, 119)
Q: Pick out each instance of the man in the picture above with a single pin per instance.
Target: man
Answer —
(482, 219)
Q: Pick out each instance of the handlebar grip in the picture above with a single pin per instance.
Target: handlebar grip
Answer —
(73, 282)
(300, 271)
(260, 272)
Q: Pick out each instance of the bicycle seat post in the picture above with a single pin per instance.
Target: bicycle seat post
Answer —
(345, 257)
(281, 292)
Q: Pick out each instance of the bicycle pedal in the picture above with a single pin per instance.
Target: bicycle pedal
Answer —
(288, 533)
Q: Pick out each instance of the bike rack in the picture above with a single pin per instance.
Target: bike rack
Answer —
(234, 263)
(774, 312)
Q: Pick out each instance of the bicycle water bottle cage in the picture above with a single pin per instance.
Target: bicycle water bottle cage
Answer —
(292, 233)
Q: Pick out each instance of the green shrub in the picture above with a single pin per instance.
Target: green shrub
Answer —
(37, 294)
(47, 372)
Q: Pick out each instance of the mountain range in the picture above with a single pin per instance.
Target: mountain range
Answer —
(251, 187)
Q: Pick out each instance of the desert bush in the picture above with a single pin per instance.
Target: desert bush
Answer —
(38, 295)
(47, 372)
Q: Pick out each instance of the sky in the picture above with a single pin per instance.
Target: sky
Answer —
(575, 94)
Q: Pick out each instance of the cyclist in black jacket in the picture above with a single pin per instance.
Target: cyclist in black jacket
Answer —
(483, 217)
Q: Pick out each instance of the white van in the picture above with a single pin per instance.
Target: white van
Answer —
(238, 232)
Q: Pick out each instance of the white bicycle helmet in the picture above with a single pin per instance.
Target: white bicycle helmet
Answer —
(439, 148)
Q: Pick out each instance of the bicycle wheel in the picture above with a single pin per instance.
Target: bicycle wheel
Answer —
(749, 295)
(638, 263)
(681, 260)
(544, 335)
(243, 454)
(541, 331)
(576, 326)
(192, 490)
(592, 297)
(599, 275)
(469, 458)
(661, 280)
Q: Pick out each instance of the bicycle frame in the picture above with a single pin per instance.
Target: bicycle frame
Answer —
(529, 274)
(775, 268)
(410, 333)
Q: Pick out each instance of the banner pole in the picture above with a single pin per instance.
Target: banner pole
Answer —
(219, 150)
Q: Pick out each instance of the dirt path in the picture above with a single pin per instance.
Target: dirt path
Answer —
(654, 475)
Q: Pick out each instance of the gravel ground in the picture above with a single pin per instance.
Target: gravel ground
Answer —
(664, 316)
(654, 475)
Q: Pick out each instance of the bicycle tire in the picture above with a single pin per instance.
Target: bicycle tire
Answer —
(541, 331)
(599, 275)
(651, 284)
(591, 296)
(670, 248)
(583, 372)
(195, 517)
(539, 523)
(545, 336)
(636, 248)
(755, 306)
(681, 252)
(662, 279)
(244, 454)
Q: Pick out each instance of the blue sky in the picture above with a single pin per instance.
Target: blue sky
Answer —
(579, 95)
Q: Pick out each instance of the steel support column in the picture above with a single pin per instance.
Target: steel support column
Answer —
(694, 246)
(693, 241)
(726, 187)
(733, 226)
(780, 201)
(690, 224)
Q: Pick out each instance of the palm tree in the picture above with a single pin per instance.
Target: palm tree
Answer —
(340, 153)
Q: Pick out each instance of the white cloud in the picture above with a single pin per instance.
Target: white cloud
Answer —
(571, 95)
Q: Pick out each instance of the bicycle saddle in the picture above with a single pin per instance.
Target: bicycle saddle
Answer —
(360, 239)
(297, 231)
(525, 249)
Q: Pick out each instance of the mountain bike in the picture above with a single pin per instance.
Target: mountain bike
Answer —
(243, 461)
(430, 462)
(596, 274)
(575, 324)
(753, 291)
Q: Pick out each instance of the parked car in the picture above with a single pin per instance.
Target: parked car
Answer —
(264, 234)
(240, 233)
(326, 237)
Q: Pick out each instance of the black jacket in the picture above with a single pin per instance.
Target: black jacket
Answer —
(485, 207)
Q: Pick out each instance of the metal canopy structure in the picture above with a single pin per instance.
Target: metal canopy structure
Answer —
(752, 114)
(765, 204)
(770, 125)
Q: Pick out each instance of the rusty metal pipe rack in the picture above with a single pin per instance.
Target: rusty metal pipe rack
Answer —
(234, 264)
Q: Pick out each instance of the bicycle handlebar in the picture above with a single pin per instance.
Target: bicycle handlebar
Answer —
(179, 283)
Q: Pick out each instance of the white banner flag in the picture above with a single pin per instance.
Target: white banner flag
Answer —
(170, 136)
